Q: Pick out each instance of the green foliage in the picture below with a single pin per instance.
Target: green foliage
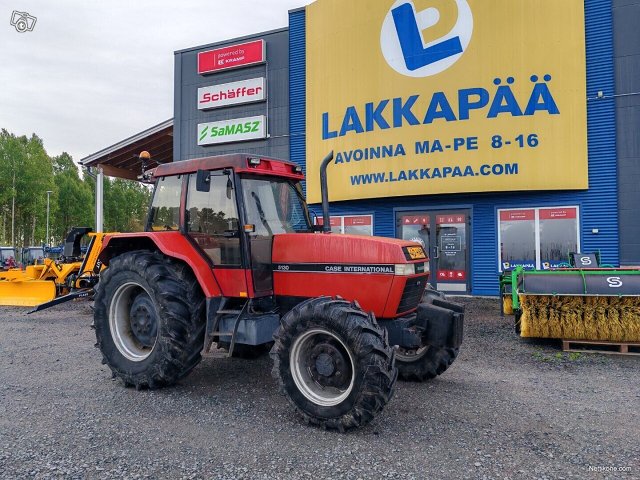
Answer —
(556, 357)
(125, 205)
(27, 173)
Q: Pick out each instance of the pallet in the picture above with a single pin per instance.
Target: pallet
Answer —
(597, 346)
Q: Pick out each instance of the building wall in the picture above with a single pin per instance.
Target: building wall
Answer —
(626, 19)
(598, 205)
(187, 116)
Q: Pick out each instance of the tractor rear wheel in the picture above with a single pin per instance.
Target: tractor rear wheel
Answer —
(333, 363)
(424, 363)
(428, 361)
(148, 318)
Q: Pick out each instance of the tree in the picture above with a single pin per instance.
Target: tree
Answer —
(73, 197)
(125, 205)
(27, 173)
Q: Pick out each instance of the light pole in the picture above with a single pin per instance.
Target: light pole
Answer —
(49, 192)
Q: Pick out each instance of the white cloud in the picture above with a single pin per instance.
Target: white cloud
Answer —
(92, 73)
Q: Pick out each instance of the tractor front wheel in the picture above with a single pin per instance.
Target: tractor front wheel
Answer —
(333, 363)
(149, 319)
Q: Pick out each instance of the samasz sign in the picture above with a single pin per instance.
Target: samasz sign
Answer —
(237, 130)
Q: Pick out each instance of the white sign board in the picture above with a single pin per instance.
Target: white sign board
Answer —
(238, 130)
(234, 93)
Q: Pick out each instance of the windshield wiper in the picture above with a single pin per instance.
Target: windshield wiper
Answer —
(263, 218)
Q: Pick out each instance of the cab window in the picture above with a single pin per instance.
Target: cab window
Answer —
(212, 219)
(165, 207)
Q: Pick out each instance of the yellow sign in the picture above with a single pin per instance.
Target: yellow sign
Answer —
(416, 253)
(446, 96)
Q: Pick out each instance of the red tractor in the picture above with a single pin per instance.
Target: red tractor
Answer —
(230, 255)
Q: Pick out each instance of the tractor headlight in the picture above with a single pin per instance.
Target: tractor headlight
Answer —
(404, 269)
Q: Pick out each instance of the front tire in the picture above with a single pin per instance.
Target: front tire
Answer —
(333, 363)
(149, 319)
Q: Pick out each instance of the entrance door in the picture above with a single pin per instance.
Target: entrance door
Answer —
(445, 235)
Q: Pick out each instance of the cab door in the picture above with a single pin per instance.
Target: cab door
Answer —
(272, 206)
(213, 224)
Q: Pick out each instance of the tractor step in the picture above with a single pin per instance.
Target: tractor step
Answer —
(602, 347)
(213, 325)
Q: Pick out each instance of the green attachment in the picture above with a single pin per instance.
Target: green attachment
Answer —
(577, 282)
(515, 273)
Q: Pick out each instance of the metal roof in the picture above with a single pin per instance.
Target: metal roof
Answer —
(121, 159)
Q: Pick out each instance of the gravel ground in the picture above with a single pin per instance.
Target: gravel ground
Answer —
(507, 408)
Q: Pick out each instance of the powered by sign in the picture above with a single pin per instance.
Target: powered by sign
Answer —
(235, 93)
(233, 56)
(238, 130)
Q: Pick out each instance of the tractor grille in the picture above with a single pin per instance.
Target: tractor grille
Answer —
(412, 294)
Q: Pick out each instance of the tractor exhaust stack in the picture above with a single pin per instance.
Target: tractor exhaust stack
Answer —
(324, 191)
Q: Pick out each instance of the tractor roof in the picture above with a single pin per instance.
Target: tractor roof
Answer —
(239, 162)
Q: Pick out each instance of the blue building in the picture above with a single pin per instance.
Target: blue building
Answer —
(567, 182)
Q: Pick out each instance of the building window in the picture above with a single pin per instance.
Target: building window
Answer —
(558, 235)
(538, 238)
(350, 224)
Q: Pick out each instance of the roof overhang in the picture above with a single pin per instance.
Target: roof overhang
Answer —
(122, 159)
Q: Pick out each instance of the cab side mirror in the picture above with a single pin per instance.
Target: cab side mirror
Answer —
(203, 181)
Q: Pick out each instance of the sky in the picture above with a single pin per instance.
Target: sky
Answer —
(92, 73)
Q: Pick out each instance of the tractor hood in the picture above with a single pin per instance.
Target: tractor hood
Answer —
(344, 249)
(386, 276)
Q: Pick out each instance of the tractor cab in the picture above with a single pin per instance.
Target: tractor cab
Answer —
(230, 208)
(32, 256)
(7, 258)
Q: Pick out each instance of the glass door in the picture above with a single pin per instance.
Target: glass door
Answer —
(450, 252)
(445, 236)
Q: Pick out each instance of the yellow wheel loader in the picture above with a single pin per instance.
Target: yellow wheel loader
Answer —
(55, 281)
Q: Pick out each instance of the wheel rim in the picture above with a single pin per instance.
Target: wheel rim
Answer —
(133, 322)
(322, 367)
(411, 355)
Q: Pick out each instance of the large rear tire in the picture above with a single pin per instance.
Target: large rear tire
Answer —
(333, 363)
(149, 319)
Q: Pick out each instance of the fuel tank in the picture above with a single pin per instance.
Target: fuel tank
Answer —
(386, 276)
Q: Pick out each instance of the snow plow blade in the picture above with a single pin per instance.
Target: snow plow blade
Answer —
(27, 293)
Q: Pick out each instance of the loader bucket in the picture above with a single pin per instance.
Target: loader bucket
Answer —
(576, 304)
(28, 293)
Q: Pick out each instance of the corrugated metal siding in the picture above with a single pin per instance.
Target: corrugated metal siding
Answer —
(598, 205)
(297, 88)
(601, 201)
